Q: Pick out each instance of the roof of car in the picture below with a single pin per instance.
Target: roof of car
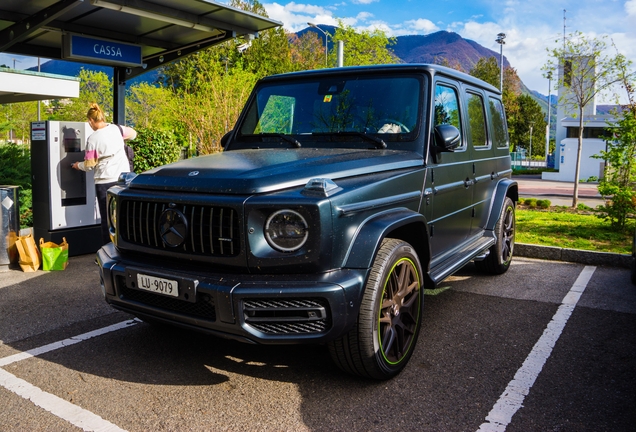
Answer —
(433, 69)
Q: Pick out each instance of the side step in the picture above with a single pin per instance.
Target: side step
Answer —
(448, 265)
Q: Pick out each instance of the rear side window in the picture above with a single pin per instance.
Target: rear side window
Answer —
(499, 132)
(476, 120)
(447, 107)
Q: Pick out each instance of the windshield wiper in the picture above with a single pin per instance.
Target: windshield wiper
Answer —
(379, 142)
(287, 138)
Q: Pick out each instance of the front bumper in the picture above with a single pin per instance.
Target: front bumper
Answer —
(266, 309)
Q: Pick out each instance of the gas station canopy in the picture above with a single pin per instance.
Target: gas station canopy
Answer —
(133, 36)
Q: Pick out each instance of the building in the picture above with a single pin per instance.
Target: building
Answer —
(595, 125)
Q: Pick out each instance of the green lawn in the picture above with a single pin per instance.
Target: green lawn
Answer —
(560, 227)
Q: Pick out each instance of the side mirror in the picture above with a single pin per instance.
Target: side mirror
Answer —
(447, 138)
(226, 138)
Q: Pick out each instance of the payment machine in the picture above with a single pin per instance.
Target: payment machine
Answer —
(64, 204)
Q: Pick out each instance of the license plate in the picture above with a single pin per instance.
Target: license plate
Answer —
(158, 285)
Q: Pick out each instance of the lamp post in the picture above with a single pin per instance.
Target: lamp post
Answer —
(501, 42)
(326, 35)
(530, 153)
(547, 128)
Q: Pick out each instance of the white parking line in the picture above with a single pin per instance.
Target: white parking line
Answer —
(511, 400)
(63, 409)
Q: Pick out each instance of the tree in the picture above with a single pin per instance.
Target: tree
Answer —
(620, 159)
(585, 71)
(528, 119)
(307, 52)
(94, 87)
(367, 47)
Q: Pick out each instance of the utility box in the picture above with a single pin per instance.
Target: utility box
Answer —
(9, 226)
(64, 203)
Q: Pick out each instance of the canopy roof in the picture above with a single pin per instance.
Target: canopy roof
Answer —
(164, 30)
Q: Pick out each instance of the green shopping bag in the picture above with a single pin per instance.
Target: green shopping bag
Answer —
(54, 256)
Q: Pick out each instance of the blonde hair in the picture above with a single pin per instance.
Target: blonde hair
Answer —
(95, 113)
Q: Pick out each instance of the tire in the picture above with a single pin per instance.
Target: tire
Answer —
(498, 260)
(383, 339)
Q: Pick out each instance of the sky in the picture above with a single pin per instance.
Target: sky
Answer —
(531, 27)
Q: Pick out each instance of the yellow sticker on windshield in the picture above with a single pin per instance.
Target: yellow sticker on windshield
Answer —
(327, 98)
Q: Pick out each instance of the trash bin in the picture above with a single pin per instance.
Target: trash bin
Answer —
(9, 226)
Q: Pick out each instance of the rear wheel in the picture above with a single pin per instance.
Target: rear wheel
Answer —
(383, 339)
(500, 256)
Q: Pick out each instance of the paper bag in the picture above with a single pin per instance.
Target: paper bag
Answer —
(54, 256)
(29, 256)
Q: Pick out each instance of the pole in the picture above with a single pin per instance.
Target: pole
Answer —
(501, 42)
(529, 163)
(547, 128)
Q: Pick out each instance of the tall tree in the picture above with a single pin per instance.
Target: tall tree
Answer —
(528, 121)
(584, 70)
(367, 47)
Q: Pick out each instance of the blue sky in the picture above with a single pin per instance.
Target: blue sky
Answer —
(530, 26)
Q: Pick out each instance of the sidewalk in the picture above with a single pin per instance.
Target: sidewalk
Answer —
(559, 193)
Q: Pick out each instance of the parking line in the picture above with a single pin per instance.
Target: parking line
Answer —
(511, 400)
(63, 409)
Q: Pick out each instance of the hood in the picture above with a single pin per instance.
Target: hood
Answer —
(267, 170)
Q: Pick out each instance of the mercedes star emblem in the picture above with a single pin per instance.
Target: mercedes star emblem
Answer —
(173, 227)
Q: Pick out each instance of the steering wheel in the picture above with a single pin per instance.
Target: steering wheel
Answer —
(395, 122)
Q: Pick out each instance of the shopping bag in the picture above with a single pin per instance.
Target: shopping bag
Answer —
(29, 256)
(54, 256)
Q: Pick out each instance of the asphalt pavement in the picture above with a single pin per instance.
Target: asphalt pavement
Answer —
(559, 193)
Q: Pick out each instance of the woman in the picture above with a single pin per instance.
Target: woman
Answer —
(105, 155)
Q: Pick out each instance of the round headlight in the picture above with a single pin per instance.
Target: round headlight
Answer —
(112, 212)
(286, 230)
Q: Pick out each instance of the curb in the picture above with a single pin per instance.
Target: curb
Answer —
(572, 255)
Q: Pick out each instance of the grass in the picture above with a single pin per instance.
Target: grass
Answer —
(573, 229)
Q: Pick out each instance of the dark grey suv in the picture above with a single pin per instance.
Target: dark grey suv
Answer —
(339, 196)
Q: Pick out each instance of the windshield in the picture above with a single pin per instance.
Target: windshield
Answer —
(328, 111)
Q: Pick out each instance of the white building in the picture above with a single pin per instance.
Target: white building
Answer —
(567, 132)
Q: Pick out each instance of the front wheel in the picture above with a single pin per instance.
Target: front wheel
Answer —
(500, 256)
(383, 339)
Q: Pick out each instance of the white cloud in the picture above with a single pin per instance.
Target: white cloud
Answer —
(630, 7)
(363, 1)
(421, 25)
(295, 16)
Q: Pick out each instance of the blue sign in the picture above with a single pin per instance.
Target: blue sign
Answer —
(101, 51)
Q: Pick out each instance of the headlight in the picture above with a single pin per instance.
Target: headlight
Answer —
(112, 213)
(286, 230)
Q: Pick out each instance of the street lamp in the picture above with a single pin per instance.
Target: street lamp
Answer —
(326, 35)
(547, 128)
(530, 161)
(501, 42)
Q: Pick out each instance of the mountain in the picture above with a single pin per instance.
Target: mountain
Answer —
(431, 48)
(442, 45)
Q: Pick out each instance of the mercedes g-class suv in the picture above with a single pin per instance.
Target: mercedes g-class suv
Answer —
(339, 196)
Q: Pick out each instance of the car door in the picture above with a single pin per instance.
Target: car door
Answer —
(484, 165)
(450, 176)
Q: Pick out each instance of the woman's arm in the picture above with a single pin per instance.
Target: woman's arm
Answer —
(128, 133)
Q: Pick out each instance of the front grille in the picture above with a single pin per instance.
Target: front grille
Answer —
(203, 308)
(211, 231)
(287, 316)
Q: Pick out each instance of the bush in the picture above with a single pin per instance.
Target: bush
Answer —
(544, 203)
(154, 148)
(15, 170)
